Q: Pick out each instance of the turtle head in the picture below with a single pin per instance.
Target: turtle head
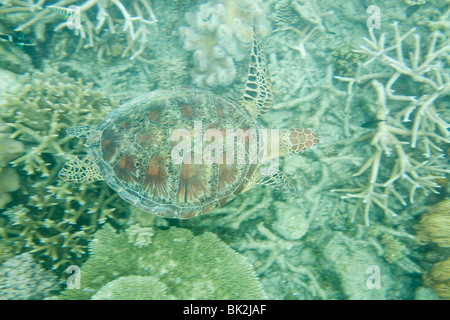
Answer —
(295, 141)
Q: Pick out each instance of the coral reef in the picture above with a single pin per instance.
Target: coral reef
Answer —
(8, 176)
(100, 24)
(9, 182)
(435, 226)
(352, 266)
(6, 251)
(414, 2)
(52, 219)
(301, 246)
(410, 115)
(291, 14)
(439, 278)
(190, 267)
(140, 236)
(219, 34)
(133, 288)
(345, 61)
(21, 278)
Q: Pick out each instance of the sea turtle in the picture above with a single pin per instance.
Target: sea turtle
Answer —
(134, 149)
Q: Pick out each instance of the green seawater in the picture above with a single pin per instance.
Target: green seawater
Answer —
(369, 216)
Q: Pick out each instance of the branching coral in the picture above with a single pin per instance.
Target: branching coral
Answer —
(409, 125)
(305, 10)
(219, 34)
(189, 266)
(52, 219)
(97, 28)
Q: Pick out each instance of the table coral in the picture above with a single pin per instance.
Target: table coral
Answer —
(133, 288)
(189, 266)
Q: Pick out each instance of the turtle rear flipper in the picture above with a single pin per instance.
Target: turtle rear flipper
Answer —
(80, 169)
(276, 179)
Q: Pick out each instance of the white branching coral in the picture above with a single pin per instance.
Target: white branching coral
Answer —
(409, 124)
(219, 34)
(98, 23)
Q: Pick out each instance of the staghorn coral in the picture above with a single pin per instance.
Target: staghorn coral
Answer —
(435, 226)
(219, 34)
(52, 219)
(100, 24)
(21, 278)
(410, 113)
(190, 267)
(48, 104)
(293, 13)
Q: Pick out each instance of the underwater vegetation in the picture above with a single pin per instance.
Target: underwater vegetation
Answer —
(175, 263)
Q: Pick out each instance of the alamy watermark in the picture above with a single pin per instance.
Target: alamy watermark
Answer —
(224, 146)
(74, 281)
(374, 280)
(374, 20)
(74, 19)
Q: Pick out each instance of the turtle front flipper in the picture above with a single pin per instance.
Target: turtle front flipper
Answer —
(257, 97)
(80, 169)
